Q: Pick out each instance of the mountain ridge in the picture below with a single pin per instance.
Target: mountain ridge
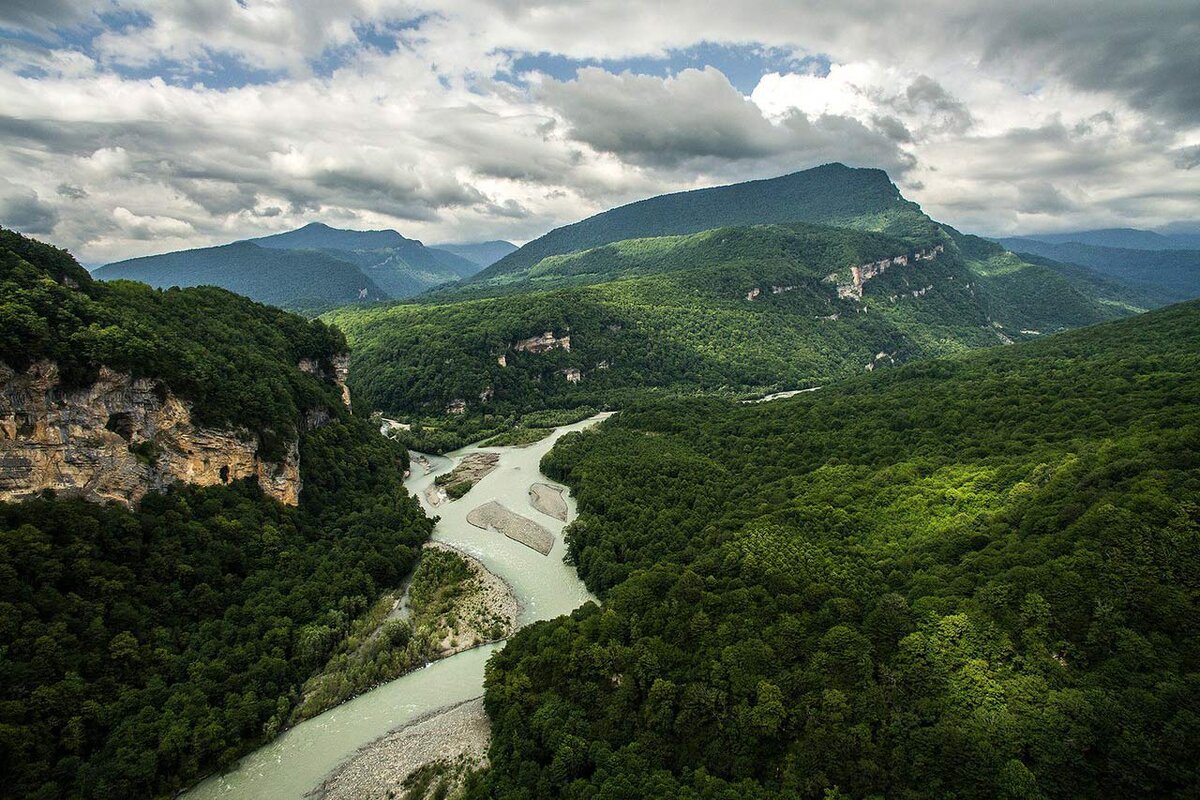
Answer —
(774, 200)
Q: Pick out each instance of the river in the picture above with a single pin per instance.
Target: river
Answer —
(296, 762)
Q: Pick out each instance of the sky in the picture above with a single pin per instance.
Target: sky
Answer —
(130, 127)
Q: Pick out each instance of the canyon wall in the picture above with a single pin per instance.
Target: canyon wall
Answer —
(118, 439)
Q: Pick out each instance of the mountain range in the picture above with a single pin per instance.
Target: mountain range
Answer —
(312, 268)
(1168, 266)
(769, 285)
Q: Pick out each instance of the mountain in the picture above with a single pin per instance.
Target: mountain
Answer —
(310, 269)
(484, 254)
(1176, 272)
(1123, 238)
(402, 267)
(735, 309)
(972, 577)
(832, 194)
(299, 279)
(191, 519)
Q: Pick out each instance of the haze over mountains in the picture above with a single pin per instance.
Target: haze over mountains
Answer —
(311, 268)
(1166, 265)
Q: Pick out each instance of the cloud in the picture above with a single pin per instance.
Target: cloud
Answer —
(698, 117)
(150, 226)
(40, 16)
(406, 113)
(22, 209)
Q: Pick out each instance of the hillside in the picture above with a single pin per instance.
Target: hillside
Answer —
(309, 269)
(832, 194)
(733, 310)
(215, 521)
(972, 577)
(1174, 271)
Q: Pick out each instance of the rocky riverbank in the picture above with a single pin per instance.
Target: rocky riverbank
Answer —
(447, 743)
(452, 604)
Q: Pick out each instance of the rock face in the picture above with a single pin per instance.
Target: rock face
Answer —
(118, 439)
(859, 275)
(544, 343)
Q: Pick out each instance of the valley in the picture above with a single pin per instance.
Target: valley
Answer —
(764, 590)
(543, 585)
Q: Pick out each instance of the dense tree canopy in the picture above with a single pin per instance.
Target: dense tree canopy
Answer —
(730, 310)
(974, 577)
(142, 648)
(233, 359)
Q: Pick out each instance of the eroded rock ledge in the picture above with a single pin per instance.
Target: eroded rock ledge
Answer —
(118, 439)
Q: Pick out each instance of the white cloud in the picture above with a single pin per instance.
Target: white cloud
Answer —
(963, 103)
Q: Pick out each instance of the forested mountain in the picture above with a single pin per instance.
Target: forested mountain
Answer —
(833, 194)
(1124, 238)
(147, 644)
(739, 309)
(309, 269)
(972, 577)
(1174, 271)
(482, 253)
(299, 279)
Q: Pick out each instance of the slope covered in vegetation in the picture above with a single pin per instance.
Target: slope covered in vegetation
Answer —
(734, 310)
(973, 577)
(233, 359)
(833, 194)
(143, 648)
(1172, 271)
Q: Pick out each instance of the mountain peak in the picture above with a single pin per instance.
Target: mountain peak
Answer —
(320, 236)
(829, 194)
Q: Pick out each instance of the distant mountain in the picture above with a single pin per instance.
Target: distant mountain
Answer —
(1176, 272)
(307, 279)
(833, 194)
(311, 269)
(1127, 238)
(482, 253)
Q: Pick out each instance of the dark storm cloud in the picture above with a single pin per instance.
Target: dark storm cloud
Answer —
(22, 209)
(698, 116)
(1187, 157)
(71, 192)
(945, 111)
(1146, 52)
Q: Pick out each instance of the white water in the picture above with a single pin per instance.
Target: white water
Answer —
(296, 762)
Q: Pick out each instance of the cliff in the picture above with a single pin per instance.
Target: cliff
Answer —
(119, 438)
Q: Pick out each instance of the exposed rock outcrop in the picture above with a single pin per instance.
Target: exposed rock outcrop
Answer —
(118, 439)
(544, 343)
(859, 275)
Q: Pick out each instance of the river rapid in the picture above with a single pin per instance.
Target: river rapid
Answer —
(296, 762)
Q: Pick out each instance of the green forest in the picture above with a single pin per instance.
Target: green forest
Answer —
(233, 359)
(732, 310)
(972, 577)
(141, 649)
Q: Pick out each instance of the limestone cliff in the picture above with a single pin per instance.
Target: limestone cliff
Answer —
(118, 439)
(544, 343)
(852, 289)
